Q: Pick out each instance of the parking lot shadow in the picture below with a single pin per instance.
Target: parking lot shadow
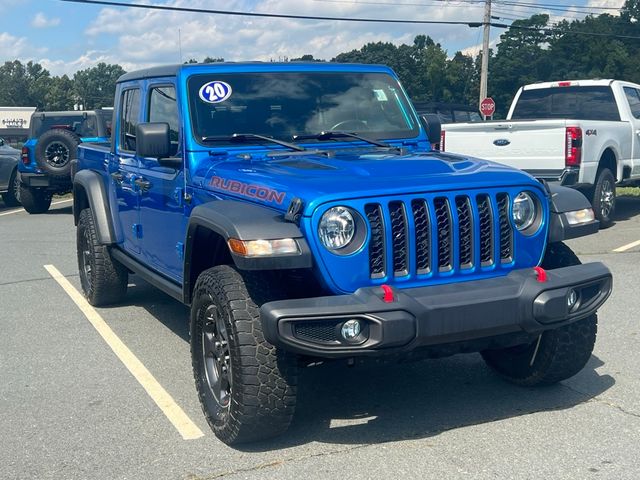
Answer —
(68, 210)
(383, 402)
(627, 206)
(173, 314)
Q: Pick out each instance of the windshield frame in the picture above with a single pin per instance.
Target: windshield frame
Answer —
(404, 103)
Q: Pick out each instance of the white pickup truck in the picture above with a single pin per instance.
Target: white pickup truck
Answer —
(582, 133)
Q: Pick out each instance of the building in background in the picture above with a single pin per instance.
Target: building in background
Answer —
(14, 123)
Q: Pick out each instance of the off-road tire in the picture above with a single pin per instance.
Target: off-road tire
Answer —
(11, 197)
(55, 150)
(603, 197)
(103, 279)
(35, 200)
(260, 400)
(557, 354)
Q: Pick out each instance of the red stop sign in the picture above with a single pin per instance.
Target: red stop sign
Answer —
(487, 107)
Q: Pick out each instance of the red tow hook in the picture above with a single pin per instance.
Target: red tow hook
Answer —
(388, 294)
(541, 274)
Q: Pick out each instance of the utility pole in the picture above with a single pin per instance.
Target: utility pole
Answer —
(485, 51)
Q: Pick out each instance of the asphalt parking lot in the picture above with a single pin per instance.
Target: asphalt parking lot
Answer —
(70, 408)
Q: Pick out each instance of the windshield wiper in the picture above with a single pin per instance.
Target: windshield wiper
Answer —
(243, 137)
(333, 134)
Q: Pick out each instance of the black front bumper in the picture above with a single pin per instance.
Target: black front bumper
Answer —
(442, 314)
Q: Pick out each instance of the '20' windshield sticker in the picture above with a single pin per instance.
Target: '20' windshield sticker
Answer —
(215, 92)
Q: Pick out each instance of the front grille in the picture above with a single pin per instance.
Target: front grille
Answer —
(506, 234)
(376, 244)
(465, 231)
(444, 233)
(399, 238)
(485, 219)
(423, 236)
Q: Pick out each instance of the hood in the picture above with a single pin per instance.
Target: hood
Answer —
(317, 178)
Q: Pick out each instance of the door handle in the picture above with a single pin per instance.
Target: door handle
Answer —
(117, 177)
(142, 184)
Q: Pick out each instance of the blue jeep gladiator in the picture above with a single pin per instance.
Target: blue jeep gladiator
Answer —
(45, 166)
(300, 212)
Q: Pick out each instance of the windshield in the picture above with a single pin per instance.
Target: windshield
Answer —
(82, 124)
(284, 104)
(585, 103)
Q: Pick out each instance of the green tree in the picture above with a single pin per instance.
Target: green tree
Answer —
(521, 58)
(95, 86)
(60, 94)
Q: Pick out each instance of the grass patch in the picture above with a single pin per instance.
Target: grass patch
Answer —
(628, 191)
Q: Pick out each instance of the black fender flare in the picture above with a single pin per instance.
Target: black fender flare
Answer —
(246, 221)
(563, 200)
(89, 191)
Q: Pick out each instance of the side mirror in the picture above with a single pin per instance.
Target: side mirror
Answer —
(433, 126)
(1, 142)
(152, 140)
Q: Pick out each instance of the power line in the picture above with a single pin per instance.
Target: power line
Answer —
(551, 9)
(450, 3)
(549, 30)
(524, 15)
(471, 24)
(542, 5)
(270, 15)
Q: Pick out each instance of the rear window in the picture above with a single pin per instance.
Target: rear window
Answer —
(83, 125)
(582, 103)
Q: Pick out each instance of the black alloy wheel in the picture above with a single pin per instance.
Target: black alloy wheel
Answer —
(216, 356)
(57, 154)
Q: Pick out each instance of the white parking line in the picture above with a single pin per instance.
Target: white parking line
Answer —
(626, 247)
(20, 210)
(165, 402)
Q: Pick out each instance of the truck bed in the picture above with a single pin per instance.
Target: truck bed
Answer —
(536, 146)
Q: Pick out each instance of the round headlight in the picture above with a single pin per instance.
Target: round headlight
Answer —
(523, 211)
(337, 228)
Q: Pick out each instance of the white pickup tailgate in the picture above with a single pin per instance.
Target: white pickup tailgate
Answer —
(524, 144)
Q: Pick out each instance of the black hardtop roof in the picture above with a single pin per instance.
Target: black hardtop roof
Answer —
(70, 113)
(172, 70)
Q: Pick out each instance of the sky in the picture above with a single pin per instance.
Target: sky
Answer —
(66, 37)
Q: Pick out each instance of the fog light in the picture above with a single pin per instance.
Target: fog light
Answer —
(572, 299)
(351, 330)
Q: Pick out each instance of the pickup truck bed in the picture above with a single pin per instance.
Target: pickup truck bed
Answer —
(583, 133)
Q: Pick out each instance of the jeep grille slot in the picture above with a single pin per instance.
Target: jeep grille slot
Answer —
(439, 235)
(465, 231)
(376, 244)
(399, 239)
(423, 236)
(506, 234)
(485, 220)
(445, 232)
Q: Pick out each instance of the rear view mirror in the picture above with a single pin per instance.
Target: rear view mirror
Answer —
(152, 140)
(433, 127)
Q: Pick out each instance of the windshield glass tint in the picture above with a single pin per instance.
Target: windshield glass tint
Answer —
(82, 125)
(584, 103)
(283, 104)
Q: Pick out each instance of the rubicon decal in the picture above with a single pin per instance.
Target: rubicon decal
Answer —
(248, 190)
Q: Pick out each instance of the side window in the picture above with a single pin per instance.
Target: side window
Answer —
(633, 97)
(164, 108)
(129, 114)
